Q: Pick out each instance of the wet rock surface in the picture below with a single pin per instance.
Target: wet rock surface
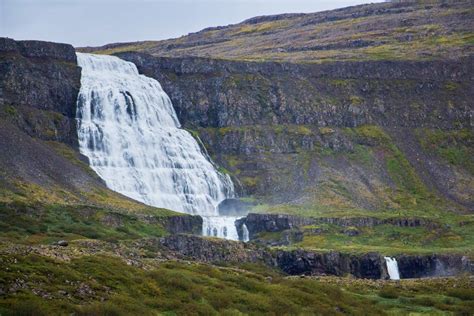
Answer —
(413, 266)
(234, 207)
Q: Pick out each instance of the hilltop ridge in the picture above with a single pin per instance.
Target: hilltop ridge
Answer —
(382, 31)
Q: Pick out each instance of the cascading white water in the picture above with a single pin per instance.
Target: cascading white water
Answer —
(245, 233)
(392, 268)
(128, 129)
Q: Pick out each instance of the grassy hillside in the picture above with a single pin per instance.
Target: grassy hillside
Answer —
(384, 31)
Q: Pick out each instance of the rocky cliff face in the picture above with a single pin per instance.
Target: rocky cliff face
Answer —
(300, 262)
(215, 250)
(288, 132)
(216, 93)
(433, 266)
(271, 223)
(39, 83)
(303, 262)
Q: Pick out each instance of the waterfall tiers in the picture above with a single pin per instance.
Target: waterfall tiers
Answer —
(128, 129)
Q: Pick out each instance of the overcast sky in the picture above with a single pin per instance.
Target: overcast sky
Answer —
(98, 22)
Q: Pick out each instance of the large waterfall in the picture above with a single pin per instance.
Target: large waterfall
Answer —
(128, 129)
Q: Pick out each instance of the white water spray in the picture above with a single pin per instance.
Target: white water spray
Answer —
(392, 268)
(128, 129)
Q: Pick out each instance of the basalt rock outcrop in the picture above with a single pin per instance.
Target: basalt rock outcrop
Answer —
(257, 223)
(305, 262)
(267, 223)
(39, 84)
(214, 250)
(179, 224)
(301, 262)
(218, 93)
(416, 266)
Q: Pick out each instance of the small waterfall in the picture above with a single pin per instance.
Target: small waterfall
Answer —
(392, 268)
(245, 233)
(128, 129)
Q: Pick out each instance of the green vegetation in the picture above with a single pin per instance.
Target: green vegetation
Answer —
(10, 110)
(393, 240)
(104, 285)
(455, 147)
(44, 224)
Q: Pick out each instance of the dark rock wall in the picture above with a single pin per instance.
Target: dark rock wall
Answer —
(39, 84)
(300, 262)
(178, 224)
(266, 223)
(433, 265)
(215, 250)
(257, 223)
(304, 262)
(216, 93)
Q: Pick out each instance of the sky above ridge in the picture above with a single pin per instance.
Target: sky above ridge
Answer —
(98, 22)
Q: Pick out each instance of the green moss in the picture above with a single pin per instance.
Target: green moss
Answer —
(453, 146)
(250, 182)
(10, 110)
(356, 100)
(362, 154)
(371, 132)
(326, 130)
(451, 86)
(391, 240)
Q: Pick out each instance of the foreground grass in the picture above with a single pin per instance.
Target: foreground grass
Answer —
(103, 285)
